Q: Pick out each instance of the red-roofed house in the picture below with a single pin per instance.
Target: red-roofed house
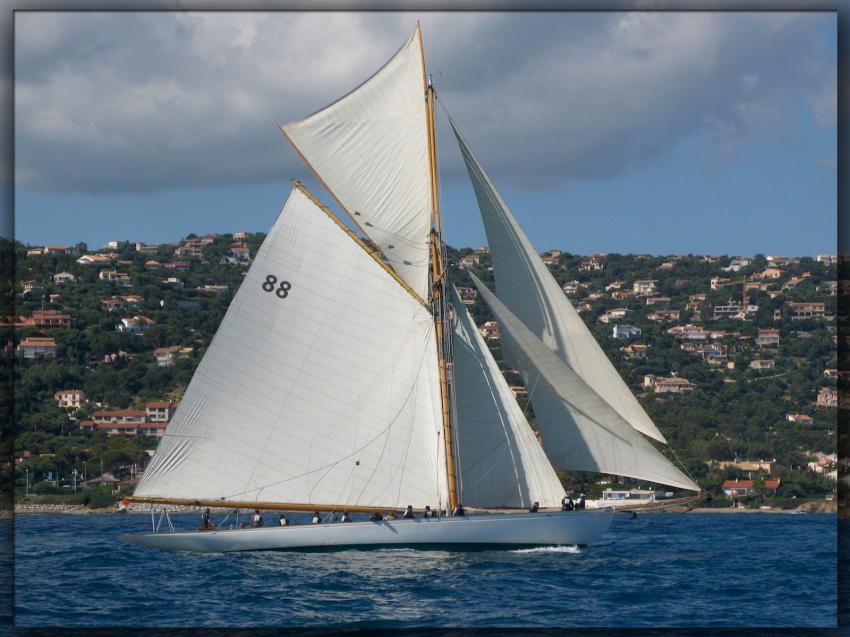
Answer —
(738, 488)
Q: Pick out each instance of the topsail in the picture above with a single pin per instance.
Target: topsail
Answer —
(370, 148)
(525, 285)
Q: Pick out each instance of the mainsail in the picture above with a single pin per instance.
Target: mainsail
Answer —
(370, 148)
(501, 462)
(580, 430)
(320, 386)
(525, 285)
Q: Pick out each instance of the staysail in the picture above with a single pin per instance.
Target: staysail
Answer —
(525, 285)
(580, 430)
(370, 148)
(320, 386)
(501, 462)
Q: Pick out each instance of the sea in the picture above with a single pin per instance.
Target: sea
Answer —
(655, 570)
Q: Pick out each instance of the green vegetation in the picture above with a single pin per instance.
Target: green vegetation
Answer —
(734, 412)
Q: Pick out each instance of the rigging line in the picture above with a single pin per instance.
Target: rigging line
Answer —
(684, 468)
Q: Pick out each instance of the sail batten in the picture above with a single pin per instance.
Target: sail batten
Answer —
(501, 462)
(525, 285)
(580, 430)
(370, 149)
(320, 386)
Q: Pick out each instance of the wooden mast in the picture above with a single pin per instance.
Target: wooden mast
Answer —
(438, 286)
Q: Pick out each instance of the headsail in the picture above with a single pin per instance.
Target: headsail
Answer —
(501, 462)
(525, 285)
(580, 430)
(370, 148)
(320, 385)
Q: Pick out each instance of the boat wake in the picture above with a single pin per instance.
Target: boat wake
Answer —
(549, 549)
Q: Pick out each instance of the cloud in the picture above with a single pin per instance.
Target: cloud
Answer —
(110, 102)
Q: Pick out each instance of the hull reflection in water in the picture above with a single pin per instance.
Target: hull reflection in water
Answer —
(508, 530)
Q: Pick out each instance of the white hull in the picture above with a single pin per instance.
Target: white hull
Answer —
(525, 529)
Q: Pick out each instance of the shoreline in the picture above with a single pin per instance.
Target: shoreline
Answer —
(80, 509)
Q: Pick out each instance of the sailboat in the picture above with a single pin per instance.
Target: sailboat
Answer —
(347, 375)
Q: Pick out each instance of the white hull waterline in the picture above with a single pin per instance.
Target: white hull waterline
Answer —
(493, 531)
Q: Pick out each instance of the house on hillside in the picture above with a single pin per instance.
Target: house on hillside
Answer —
(743, 488)
(166, 356)
(671, 385)
(827, 397)
(470, 261)
(160, 412)
(613, 315)
(626, 331)
(768, 337)
(146, 248)
(636, 351)
(64, 277)
(37, 347)
(121, 278)
(801, 419)
(135, 324)
(70, 398)
(644, 287)
(761, 363)
(807, 310)
(490, 330)
(95, 259)
(113, 304)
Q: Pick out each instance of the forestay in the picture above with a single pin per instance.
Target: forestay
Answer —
(320, 385)
(525, 285)
(370, 148)
(580, 430)
(501, 462)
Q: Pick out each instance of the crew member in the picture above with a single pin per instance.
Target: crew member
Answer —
(256, 519)
(206, 521)
(408, 513)
(282, 521)
(317, 519)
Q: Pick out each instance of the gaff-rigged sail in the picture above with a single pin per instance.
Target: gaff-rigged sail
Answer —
(320, 386)
(580, 430)
(370, 148)
(501, 461)
(525, 285)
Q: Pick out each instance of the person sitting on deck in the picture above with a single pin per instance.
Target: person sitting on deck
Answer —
(459, 511)
(345, 517)
(580, 504)
(282, 521)
(317, 519)
(534, 507)
(428, 512)
(376, 517)
(206, 521)
(256, 519)
(408, 513)
(567, 504)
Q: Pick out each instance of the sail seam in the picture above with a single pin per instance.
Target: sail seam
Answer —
(371, 252)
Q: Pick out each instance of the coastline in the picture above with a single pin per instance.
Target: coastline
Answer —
(80, 509)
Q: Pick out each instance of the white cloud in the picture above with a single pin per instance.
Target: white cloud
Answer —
(124, 101)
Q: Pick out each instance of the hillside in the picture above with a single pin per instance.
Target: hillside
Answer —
(117, 333)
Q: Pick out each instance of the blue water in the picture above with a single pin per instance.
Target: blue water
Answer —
(759, 570)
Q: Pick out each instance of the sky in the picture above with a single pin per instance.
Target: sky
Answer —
(659, 133)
